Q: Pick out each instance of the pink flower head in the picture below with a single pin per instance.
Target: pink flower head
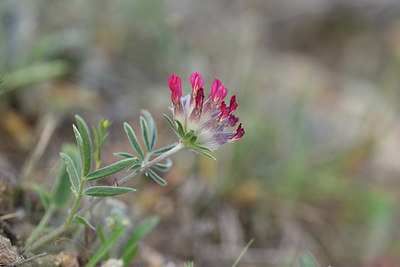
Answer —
(174, 83)
(206, 124)
(197, 82)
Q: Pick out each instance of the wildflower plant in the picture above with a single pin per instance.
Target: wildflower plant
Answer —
(201, 125)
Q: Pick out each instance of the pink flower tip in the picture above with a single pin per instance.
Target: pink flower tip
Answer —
(218, 92)
(224, 111)
(174, 83)
(197, 82)
(232, 105)
(239, 133)
(232, 120)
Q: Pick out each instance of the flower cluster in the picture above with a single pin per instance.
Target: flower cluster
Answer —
(209, 123)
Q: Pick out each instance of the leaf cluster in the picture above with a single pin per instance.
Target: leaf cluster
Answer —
(146, 152)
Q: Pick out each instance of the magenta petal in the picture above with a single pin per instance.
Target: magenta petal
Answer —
(232, 120)
(196, 80)
(214, 87)
(174, 83)
(239, 133)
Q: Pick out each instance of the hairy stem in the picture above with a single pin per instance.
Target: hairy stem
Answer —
(76, 203)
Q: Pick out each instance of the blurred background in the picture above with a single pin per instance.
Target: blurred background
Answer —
(317, 83)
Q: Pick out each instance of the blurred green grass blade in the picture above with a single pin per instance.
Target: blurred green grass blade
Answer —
(95, 137)
(156, 177)
(44, 196)
(102, 238)
(35, 73)
(59, 196)
(307, 260)
(104, 139)
(106, 246)
(101, 234)
(110, 169)
(152, 128)
(81, 220)
(72, 172)
(242, 253)
(145, 133)
(133, 140)
(106, 191)
(141, 230)
(130, 252)
(87, 145)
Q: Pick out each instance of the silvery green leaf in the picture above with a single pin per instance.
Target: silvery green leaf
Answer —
(125, 155)
(72, 172)
(156, 177)
(134, 167)
(79, 142)
(59, 196)
(152, 128)
(171, 123)
(181, 132)
(201, 147)
(81, 220)
(134, 141)
(203, 153)
(145, 133)
(163, 149)
(86, 145)
(164, 166)
(110, 169)
(106, 191)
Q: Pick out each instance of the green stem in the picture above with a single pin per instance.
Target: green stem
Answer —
(76, 203)
(39, 228)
